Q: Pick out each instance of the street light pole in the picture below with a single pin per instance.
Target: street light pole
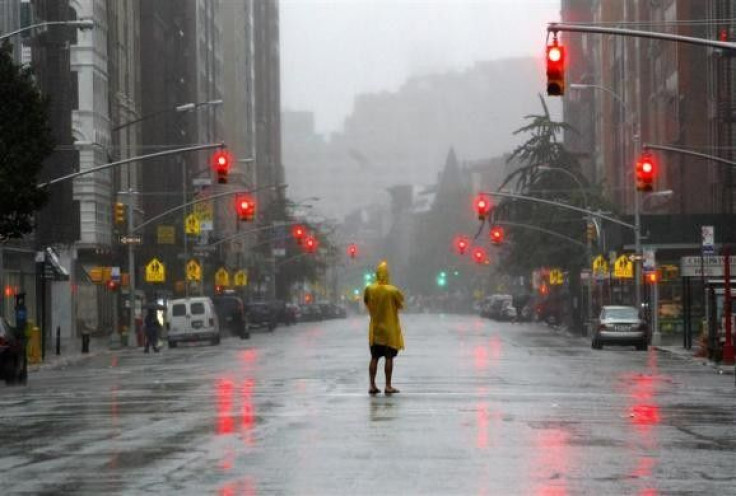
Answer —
(588, 245)
(637, 215)
(132, 331)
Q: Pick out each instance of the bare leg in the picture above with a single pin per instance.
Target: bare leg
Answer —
(389, 369)
(372, 369)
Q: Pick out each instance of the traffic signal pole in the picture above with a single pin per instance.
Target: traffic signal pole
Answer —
(132, 331)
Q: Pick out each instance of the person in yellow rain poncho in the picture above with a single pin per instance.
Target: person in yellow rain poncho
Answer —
(383, 301)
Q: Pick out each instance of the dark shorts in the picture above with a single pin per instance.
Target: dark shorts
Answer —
(380, 350)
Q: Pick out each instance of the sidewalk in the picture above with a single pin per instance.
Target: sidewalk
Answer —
(674, 350)
(684, 354)
(71, 352)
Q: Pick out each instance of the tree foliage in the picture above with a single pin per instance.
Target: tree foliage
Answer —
(25, 141)
(547, 170)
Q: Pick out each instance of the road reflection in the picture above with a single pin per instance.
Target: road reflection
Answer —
(552, 462)
(243, 487)
(644, 416)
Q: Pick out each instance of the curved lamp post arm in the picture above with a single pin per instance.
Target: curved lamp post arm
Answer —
(110, 165)
(562, 205)
(574, 178)
(79, 23)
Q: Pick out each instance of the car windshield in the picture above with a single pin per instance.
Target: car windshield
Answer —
(620, 313)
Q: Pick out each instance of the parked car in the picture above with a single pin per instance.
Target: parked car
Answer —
(231, 314)
(285, 312)
(293, 314)
(192, 319)
(11, 354)
(508, 311)
(310, 313)
(493, 307)
(260, 314)
(620, 325)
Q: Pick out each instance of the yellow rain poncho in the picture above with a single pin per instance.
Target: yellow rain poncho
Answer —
(384, 302)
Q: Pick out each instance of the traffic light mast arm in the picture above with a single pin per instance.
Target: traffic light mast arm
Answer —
(200, 200)
(555, 27)
(540, 229)
(692, 153)
(250, 231)
(565, 206)
(110, 165)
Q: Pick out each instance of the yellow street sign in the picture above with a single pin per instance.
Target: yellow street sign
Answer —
(222, 277)
(191, 225)
(194, 271)
(556, 278)
(600, 265)
(155, 271)
(166, 235)
(240, 278)
(623, 268)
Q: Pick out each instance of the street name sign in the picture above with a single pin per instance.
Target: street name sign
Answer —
(131, 239)
(706, 266)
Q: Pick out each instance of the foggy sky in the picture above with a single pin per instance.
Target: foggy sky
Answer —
(332, 50)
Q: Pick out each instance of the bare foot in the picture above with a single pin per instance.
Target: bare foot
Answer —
(374, 391)
(391, 390)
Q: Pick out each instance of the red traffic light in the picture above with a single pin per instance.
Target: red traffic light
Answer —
(646, 169)
(497, 235)
(652, 277)
(298, 233)
(482, 206)
(353, 250)
(112, 285)
(479, 255)
(310, 244)
(555, 69)
(221, 162)
(461, 244)
(246, 207)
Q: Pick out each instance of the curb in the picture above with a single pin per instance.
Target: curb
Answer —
(67, 361)
(720, 369)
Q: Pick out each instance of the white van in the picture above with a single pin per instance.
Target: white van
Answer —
(192, 319)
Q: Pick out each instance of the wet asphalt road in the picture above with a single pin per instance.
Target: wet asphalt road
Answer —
(486, 408)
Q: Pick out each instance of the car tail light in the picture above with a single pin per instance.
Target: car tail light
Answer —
(602, 327)
(3, 342)
(212, 322)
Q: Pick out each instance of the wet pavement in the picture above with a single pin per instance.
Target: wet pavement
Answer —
(485, 408)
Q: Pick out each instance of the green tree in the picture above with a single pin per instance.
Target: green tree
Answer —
(25, 141)
(536, 176)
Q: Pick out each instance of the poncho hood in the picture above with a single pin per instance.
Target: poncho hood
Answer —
(382, 274)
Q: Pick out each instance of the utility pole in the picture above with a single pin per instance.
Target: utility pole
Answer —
(132, 331)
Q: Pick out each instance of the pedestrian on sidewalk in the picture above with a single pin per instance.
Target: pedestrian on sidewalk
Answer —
(152, 327)
(385, 339)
